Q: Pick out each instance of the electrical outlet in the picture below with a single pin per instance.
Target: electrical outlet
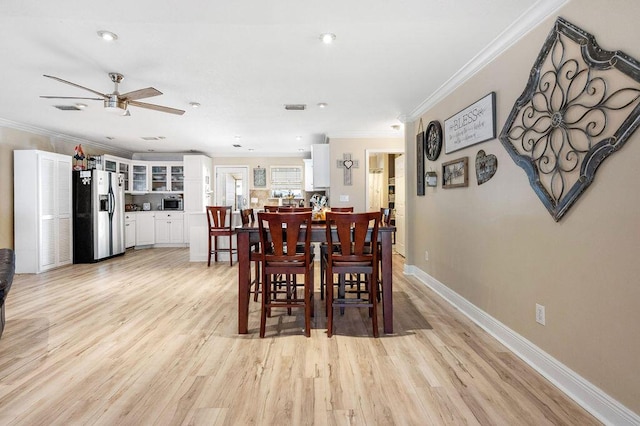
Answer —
(426, 255)
(540, 314)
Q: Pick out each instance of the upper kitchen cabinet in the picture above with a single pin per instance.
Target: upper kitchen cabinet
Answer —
(110, 163)
(139, 177)
(167, 177)
(197, 182)
(320, 156)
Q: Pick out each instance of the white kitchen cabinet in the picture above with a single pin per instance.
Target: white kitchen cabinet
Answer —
(145, 228)
(197, 182)
(139, 177)
(308, 174)
(110, 163)
(167, 177)
(129, 230)
(320, 155)
(42, 210)
(169, 228)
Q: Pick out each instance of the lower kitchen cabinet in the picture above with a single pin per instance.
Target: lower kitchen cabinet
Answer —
(145, 228)
(129, 230)
(169, 228)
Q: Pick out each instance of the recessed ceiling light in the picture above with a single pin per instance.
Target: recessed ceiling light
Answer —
(298, 138)
(237, 137)
(251, 149)
(194, 104)
(81, 106)
(107, 35)
(301, 149)
(322, 105)
(327, 38)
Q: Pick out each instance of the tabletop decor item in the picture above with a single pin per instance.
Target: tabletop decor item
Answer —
(580, 105)
(486, 166)
(433, 140)
(474, 124)
(455, 174)
(420, 160)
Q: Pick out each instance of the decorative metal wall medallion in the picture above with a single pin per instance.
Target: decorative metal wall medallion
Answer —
(433, 140)
(580, 105)
(486, 166)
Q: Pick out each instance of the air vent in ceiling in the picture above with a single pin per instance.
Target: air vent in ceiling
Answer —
(68, 107)
(150, 138)
(295, 107)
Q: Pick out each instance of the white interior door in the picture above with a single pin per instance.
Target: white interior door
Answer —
(400, 205)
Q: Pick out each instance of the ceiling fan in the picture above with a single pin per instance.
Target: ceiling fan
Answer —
(117, 102)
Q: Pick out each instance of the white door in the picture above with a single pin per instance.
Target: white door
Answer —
(400, 204)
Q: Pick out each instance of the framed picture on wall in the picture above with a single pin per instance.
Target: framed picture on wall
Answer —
(455, 174)
(259, 177)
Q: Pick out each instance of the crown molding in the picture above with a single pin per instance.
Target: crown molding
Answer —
(530, 19)
(63, 137)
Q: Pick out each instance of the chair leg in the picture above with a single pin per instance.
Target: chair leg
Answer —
(230, 251)
(308, 304)
(329, 288)
(266, 282)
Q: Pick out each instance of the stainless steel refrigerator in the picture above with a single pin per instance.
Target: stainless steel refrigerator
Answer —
(98, 215)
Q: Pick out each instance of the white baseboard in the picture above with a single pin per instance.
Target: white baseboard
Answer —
(590, 397)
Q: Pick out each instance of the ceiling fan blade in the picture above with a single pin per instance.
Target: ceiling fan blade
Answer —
(76, 85)
(140, 94)
(71, 97)
(157, 107)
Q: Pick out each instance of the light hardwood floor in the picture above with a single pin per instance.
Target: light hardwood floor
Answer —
(150, 338)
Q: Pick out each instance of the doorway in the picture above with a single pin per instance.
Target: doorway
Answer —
(232, 186)
(384, 186)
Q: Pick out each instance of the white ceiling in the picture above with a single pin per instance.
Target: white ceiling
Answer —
(243, 60)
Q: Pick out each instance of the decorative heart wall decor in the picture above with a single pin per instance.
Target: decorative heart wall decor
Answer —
(348, 164)
(486, 166)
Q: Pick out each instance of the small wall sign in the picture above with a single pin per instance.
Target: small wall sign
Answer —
(486, 166)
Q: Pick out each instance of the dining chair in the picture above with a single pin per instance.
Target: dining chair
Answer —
(280, 235)
(272, 209)
(219, 219)
(302, 209)
(248, 217)
(350, 235)
(323, 251)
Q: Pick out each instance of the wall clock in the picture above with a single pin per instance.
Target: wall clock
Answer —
(433, 140)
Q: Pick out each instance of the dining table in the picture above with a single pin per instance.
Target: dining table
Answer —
(249, 234)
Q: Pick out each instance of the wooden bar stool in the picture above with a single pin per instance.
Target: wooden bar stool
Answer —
(352, 236)
(323, 251)
(280, 235)
(220, 225)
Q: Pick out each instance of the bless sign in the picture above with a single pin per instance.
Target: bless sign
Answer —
(472, 125)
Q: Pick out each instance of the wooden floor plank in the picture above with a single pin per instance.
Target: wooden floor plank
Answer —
(150, 338)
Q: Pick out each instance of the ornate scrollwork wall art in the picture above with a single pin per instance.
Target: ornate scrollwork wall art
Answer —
(580, 105)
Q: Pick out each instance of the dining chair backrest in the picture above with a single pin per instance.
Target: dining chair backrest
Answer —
(353, 232)
(342, 209)
(247, 216)
(302, 209)
(219, 217)
(272, 209)
(385, 212)
(280, 234)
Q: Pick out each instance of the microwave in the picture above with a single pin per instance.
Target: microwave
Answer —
(172, 204)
